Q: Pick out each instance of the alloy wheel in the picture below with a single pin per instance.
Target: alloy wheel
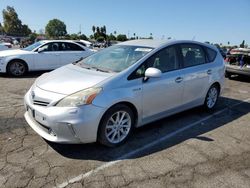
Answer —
(17, 68)
(212, 97)
(118, 127)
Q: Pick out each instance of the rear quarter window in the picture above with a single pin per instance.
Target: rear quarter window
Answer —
(211, 54)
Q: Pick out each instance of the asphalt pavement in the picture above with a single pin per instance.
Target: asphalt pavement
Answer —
(190, 149)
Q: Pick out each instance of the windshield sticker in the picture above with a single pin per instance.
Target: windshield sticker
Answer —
(143, 49)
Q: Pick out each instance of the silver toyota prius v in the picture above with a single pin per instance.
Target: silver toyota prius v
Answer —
(106, 95)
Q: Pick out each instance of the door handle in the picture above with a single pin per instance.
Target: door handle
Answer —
(209, 71)
(178, 80)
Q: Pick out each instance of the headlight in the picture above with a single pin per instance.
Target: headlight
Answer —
(79, 98)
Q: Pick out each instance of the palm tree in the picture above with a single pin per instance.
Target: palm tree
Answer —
(101, 30)
(98, 30)
(134, 35)
(104, 29)
(93, 29)
(115, 33)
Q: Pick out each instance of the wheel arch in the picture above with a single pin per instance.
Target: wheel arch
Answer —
(16, 59)
(129, 104)
(218, 85)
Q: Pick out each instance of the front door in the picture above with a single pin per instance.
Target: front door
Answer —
(164, 93)
(48, 58)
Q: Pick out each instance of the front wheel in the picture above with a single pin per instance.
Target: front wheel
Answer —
(116, 125)
(211, 97)
(16, 68)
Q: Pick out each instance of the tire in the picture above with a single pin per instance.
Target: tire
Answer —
(228, 75)
(17, 68)
(116, 125)
(211, 97)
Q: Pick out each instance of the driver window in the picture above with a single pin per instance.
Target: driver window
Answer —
(164, 60)
(50, 47)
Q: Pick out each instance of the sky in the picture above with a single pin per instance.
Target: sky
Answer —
(216, 21)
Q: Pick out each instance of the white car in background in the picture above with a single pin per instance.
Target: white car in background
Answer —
(42, 55)
(3, 47)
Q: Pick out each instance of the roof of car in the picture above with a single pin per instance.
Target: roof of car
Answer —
(145, 42)
(45, 41)
(152, 43)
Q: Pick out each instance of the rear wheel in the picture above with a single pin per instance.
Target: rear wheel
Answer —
(211, 97)
(16, 68)
(116, 125)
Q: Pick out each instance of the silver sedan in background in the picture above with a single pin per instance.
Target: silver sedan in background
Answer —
(104, 96)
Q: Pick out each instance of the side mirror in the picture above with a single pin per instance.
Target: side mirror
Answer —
(40, 50)
(152, 73)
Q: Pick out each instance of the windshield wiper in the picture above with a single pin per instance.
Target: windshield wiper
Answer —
(75, 62)
(98, 69)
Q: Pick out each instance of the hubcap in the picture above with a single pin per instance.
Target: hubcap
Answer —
(118, 127)
(17, 68)
(212, 97)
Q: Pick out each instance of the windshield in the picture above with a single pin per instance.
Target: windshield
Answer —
(115, 59)
(33, 46)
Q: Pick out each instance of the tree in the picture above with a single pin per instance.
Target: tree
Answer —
(12, 25)
(121, 37)
(1, 29)
(55, 29)
(104, 29)
(115, 33)
(111, 37)
(228, 43)
(32, 37)
(242, 45)
(93, 29)
(25, 30)
(74, 36)
(97, 30)
(100, 39)
(83, 37)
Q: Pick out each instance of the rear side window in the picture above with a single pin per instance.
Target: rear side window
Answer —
(73, 47)
(192, 55)
(211, 54)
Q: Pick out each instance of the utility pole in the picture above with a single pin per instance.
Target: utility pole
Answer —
(80, 28)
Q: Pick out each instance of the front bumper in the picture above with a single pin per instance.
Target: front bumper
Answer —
(2, 66)
(63, 124)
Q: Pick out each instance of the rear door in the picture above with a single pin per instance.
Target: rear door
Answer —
(70, 52)
(196, 73)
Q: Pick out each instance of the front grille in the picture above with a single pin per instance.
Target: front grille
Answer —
(40, 103)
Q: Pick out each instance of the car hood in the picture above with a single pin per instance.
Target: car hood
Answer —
(70, 79)
(13, 52)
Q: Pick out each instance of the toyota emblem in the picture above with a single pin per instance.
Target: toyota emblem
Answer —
(33, 94)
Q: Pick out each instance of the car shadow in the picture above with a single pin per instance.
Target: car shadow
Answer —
(33, 74)
(149, 133)
(240, 78)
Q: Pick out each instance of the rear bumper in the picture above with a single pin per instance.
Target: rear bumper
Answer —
(237, 70)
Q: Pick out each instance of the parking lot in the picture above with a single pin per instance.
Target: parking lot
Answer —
(191, 149)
